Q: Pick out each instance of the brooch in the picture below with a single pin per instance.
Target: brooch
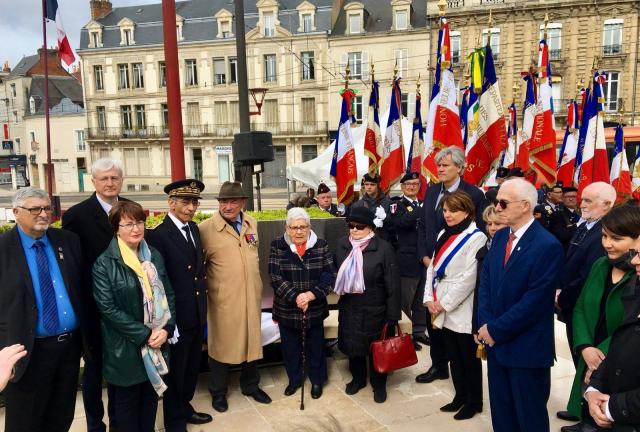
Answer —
(251, 239)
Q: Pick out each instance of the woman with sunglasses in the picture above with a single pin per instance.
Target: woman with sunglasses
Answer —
(302, 274)
(449, 296)
(368, 285)
(599, 309)
(137, 311)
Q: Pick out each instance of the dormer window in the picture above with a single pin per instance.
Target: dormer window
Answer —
(401, 15)
(95, 34)
(95, 39)
(179, 25)
(401, 20)
(355, 18)
(126, 32)
(306, 17)
(269, 25)
(224, 18)
(307, 23)
(32, 105)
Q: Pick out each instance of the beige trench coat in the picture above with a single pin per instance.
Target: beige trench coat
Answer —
(234, 290)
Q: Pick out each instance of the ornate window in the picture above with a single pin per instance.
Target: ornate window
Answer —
(401, 13)
(306, 17)
(355, 18)
(126, 32)
(224, 19)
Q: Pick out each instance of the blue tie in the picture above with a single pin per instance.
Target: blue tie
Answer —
(47, 292)
(238, 226)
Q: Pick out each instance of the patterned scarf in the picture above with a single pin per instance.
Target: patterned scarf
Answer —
(350, 279)
(155, 306)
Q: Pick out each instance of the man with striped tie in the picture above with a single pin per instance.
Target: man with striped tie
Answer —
(40, 279)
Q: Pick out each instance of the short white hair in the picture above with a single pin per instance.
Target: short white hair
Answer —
(106, 164)
(296, 213)
(524, 191)
(24, 194)
(603, 191)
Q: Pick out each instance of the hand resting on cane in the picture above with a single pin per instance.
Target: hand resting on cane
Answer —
(303, 299)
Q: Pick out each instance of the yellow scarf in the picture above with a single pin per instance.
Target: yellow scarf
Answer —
(131, 260)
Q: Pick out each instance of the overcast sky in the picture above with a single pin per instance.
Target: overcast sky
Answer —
(21, 25)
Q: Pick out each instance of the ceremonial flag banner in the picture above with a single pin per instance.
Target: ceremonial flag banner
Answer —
(529, 115)
(569, 149)
(582, 128)
(416, 150)
(509, 154)
(343, 166)
(542, 144)
(372, 139)
(635, 181)
(620, 177)
(52, 13)
(595, 164)
(393, 161)
(491, 133)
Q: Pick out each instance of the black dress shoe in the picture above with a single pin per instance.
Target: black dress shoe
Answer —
(567, 416)
(316, 391)
(199, 418)
(433, 374)
(380, 395)
(291, 389)
(579, 427)
(353, 387)
(423, 339)
(259, 396)
(416, 346)
(452, 406)
(219, 403)
(467, 411)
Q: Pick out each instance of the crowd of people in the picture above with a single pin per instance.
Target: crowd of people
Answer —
(481, 276)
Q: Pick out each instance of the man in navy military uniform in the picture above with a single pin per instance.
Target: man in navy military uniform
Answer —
(564, 220)
(492, 192)
(323, 201)
(553, 198)
(177, 238)
(405, 215)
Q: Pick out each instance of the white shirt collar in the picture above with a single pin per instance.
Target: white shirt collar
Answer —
(520, 232)
(105, 205)
(454, 187)
(176, 221)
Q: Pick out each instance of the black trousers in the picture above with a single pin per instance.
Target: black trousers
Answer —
(184, 365)
(92, 390)
(44, 398)
(466, 368)
(316, 362)
(358, 369)
(136, 407)
(412, 294)
(219, 380)
(437, 349)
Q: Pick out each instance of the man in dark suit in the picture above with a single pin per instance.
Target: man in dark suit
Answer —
(451, 165)
(515, 312)
(90, 221)
(178, 240)
(613, 393)
(40, 285)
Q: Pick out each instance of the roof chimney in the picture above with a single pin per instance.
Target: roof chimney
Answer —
(6, 67)
(100, 8)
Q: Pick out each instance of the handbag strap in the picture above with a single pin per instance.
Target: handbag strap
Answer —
(383, 335)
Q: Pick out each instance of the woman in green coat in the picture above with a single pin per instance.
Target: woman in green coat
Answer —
(137, 317)
(599, 310)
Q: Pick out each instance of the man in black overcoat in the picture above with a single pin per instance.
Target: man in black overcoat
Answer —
(177, 239)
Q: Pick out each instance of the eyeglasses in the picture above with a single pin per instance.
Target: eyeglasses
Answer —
(633, 253)
(357, 226)
(412, 184)
(35, 211)
(187, 201)
(504, 203)
(129, 226)
(299, 228)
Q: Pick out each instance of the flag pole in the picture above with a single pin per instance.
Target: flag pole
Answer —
(46, 101)
(514, 91)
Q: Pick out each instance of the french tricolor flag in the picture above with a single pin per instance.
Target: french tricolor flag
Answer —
(393, 162)
(343, 166)
(52, 13)
(620, 177)
(569, 149)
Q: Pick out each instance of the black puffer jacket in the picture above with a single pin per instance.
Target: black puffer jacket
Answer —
(362, 316)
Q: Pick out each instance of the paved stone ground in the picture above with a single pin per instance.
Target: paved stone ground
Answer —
(409, 407)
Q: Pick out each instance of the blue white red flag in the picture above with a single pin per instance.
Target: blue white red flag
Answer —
(343, 166)
(52, 13)
(620, 177)
(393, 161)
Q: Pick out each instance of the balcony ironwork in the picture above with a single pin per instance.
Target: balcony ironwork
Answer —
(555, 54)
(612, 49)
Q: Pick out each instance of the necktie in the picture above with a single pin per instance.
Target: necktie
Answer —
(580, 234)
(507, 252)
(47, 292)
(187, 231)
(415, 204)
(237, 226)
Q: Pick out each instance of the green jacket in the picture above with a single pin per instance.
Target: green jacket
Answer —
(119, 299)
(585, 319)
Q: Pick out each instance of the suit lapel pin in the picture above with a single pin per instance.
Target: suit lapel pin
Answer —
(518, 248)
(60, 253)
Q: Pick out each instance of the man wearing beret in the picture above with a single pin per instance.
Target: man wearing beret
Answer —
(323, 201)
(230, 240)
(405, 214)
(178, 240)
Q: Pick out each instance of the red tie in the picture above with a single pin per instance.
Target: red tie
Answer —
(507, 252)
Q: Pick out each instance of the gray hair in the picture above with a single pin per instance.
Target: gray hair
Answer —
(457, 156)
(604, 191)
(295, 213)
(25, 193)
(106, 164)
(524, 191)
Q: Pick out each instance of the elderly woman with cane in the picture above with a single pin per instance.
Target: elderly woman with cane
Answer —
(302, 274)
(368, 285)
(137, 312)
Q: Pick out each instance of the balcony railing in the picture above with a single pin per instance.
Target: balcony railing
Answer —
(613, 49)
(555, 54)
(491, 2)
(220, 130)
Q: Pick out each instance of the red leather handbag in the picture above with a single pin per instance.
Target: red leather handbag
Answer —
(393, 353)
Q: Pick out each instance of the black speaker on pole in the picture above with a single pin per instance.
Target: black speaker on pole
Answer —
(252, 148)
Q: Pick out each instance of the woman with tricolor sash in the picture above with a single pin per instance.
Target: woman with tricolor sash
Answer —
(449, 293)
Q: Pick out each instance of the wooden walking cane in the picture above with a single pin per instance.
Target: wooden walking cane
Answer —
(304, 358)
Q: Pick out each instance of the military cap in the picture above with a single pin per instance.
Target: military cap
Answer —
(502, 172)
(550, 188)
(371, 178)
(323, 188)
(569, 189)
(515, 172)
(189, 188)
(410, 176)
